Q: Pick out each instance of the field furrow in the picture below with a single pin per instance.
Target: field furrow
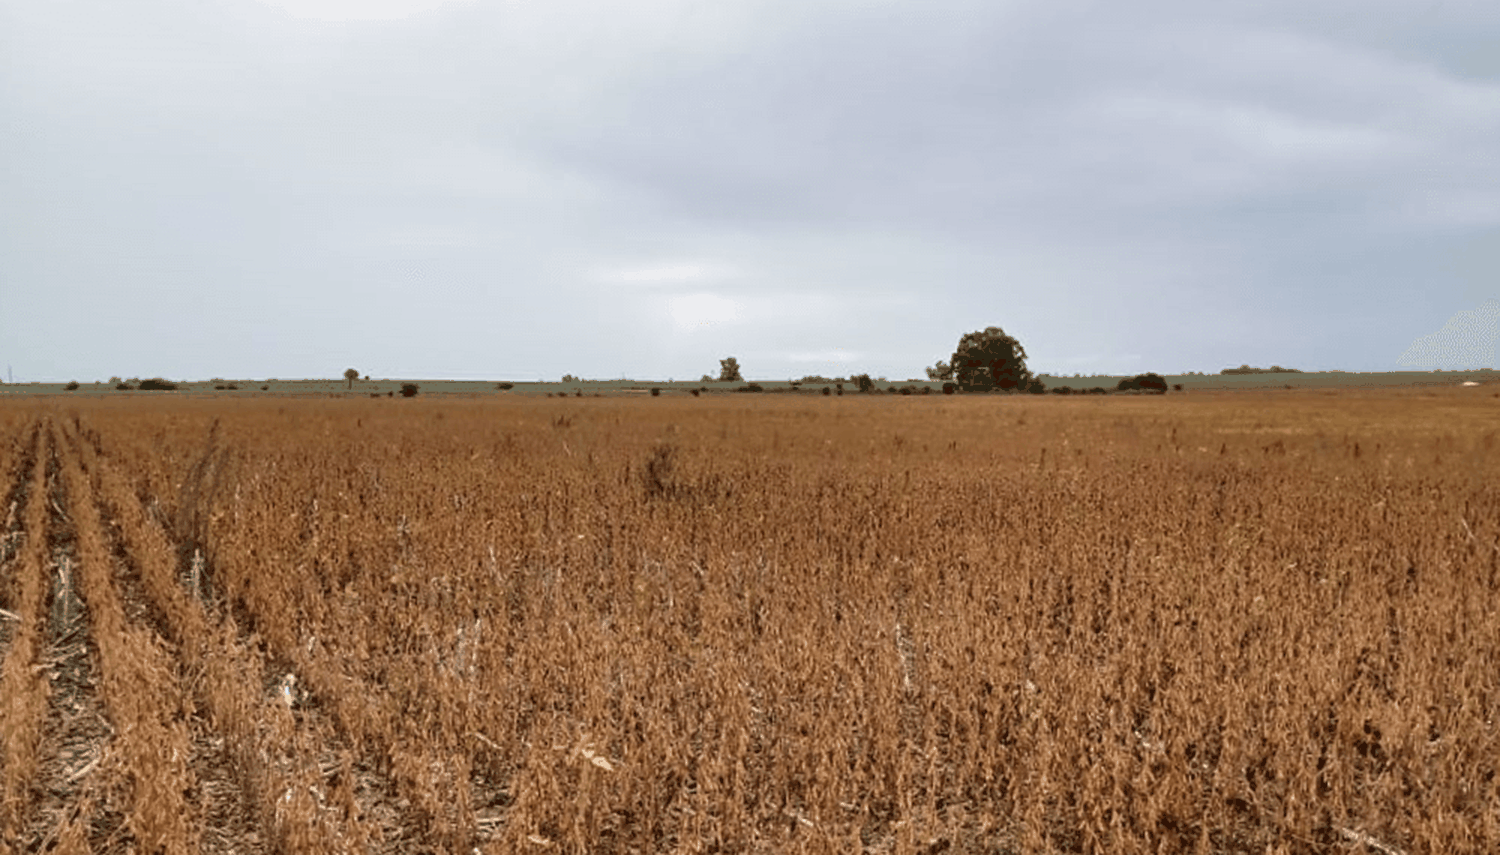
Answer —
(23, 683)
(79, 784)
(266, 776)
(16, 456)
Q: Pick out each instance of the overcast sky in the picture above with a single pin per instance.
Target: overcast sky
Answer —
(522, 189)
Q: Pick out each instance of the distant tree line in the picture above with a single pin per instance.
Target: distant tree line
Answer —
(1247, 369)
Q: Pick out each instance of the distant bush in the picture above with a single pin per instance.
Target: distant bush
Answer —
(949, 388)
(1176, 387)
(864, 382)
(655, 393)
(568, 378)
(124, 387)
(1062, 390)
(827, 390)
(1150, 382)
(1098, 390)
(219, 388)
(1035, 386)
(1143, 382)
(265, 388)
(753, 387)
(695, 393)
(409, 390)
(72, 386)
(504, 387)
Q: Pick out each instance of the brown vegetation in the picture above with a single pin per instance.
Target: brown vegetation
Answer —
(1182, 624)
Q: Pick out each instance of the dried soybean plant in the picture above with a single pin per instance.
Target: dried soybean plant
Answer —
(1235, 623)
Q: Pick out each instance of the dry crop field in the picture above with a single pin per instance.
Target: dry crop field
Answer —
(1252, 622)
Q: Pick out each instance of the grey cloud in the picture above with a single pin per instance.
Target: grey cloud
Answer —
(1184, 184)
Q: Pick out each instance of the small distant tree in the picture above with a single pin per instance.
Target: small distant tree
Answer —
(409, 390)
(72, 386)
(729, 371)
(350, 375)
(940, 371)
(568, 378)
(864, 382)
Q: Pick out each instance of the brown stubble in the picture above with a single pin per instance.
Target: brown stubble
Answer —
(1209, 623)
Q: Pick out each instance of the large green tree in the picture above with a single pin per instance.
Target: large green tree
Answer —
(989, 360)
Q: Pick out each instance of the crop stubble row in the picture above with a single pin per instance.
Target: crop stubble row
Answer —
(895, 624)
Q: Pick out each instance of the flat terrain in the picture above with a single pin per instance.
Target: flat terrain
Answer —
(1254, 621)
(391, 387)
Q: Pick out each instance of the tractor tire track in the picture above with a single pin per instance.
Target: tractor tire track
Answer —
(136, 678)
(23, 686)
(18, 483)
(267, 778)
(393, 790)
(224, 819)
(76, 782)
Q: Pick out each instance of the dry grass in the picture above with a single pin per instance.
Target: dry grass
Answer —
(1249, 623)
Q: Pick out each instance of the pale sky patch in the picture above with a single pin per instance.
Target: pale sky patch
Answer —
(359, 10)
(671, 273)
(701, 312)
(832, 356)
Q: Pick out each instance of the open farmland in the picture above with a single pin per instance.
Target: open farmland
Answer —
(1248, 622)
